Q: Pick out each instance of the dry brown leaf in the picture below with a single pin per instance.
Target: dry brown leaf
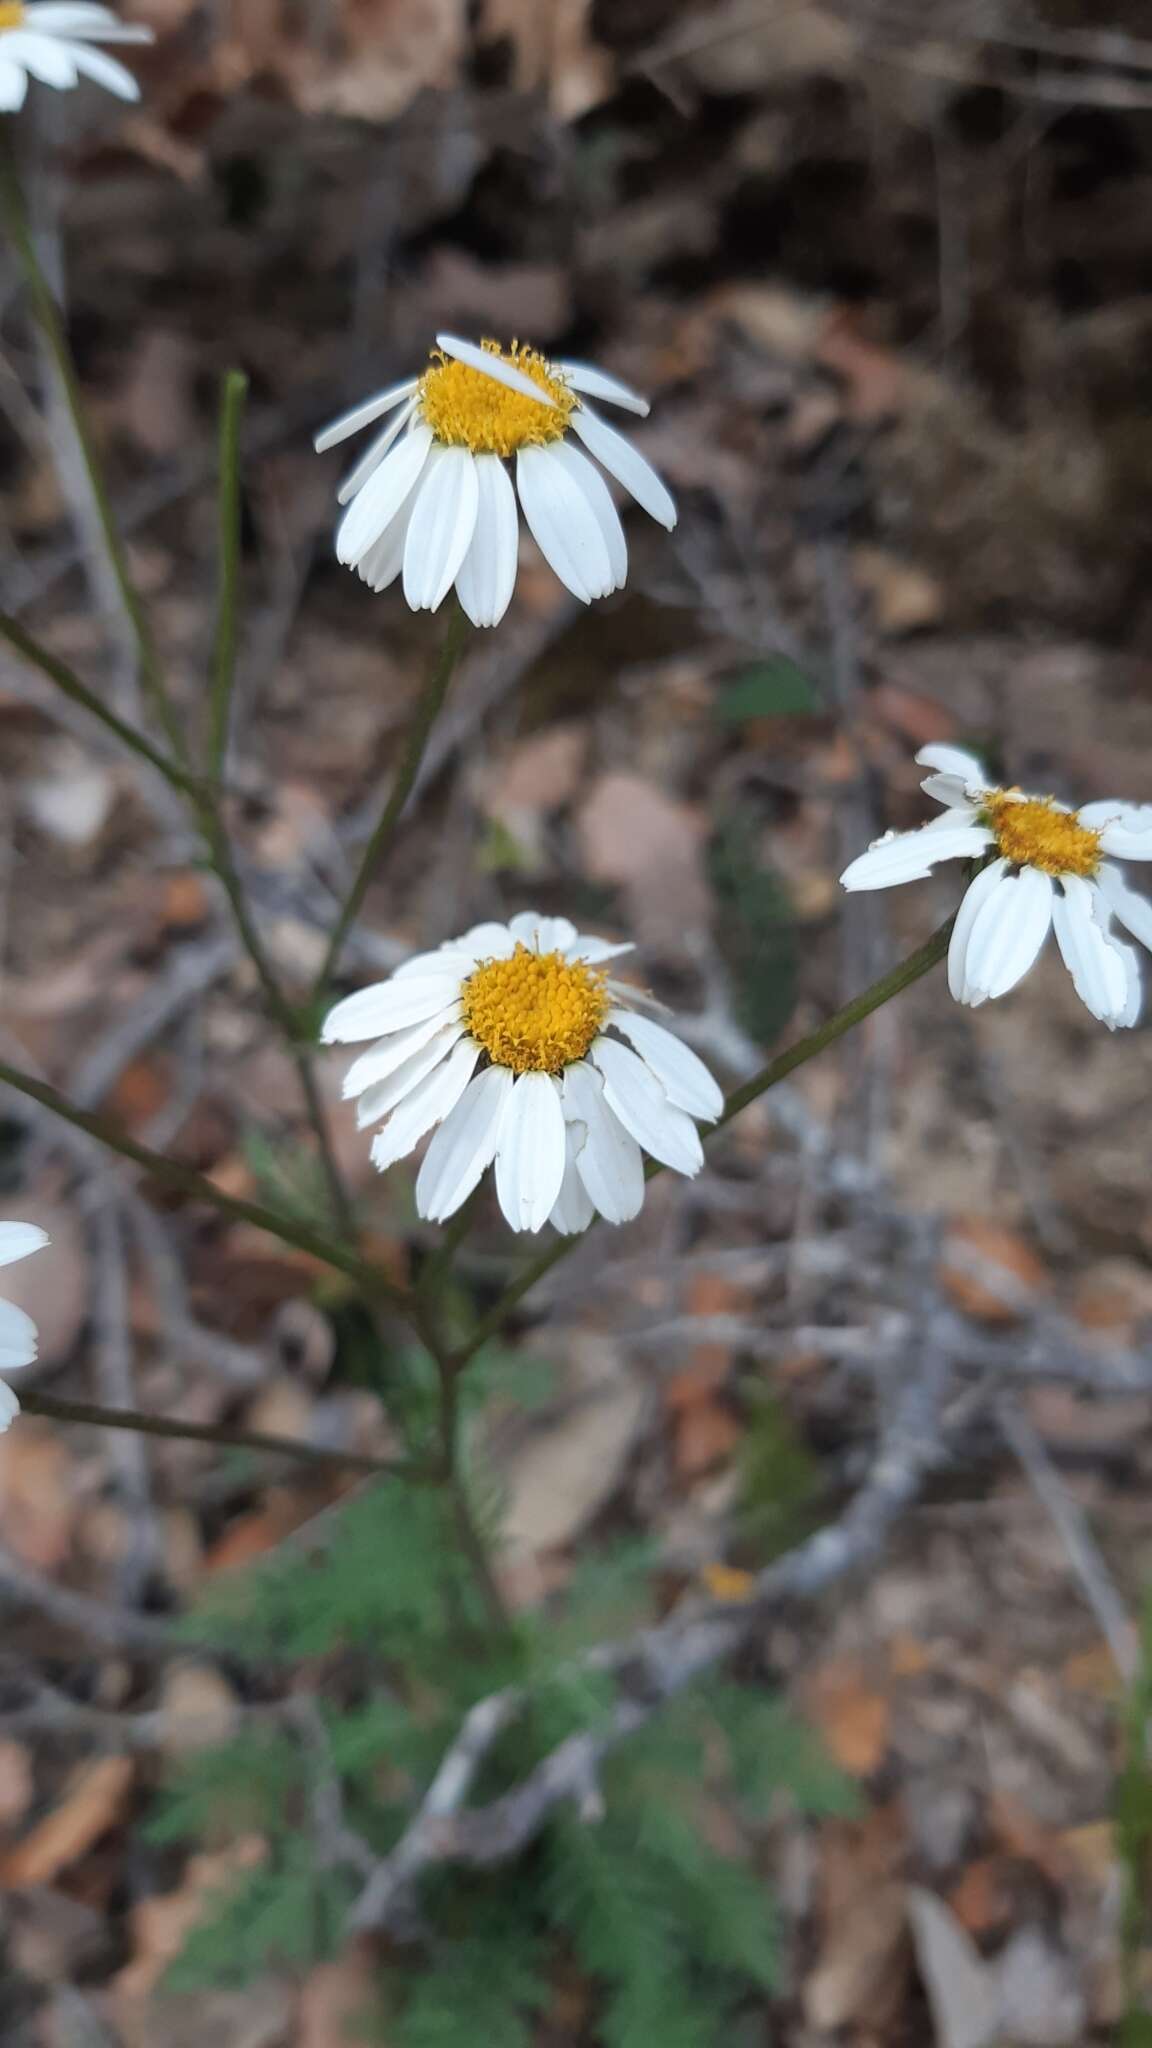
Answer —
(254, 1534)
(396, 49)
(853, 1717)
(161, 1925)
(94, 1799)
(39, 1498)
(982, 1898)
(567, 1470)
(335, 2000)
(705, 1434)
(17, 1785)
(862, 1964)
(709, 1364)
(989, 1271)
(553, 49)
(185, 902)
(199, 1706)
(905, 598)
(533, 778)
(877, 380)
(635, 836)
(918, 718)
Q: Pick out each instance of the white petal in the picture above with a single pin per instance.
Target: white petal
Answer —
(362, 415)
(1129, 834)
(593, 950)
(388, 1006)
(574, 1208)
(42, 56)
(17, 1337)
(493, 366)
(608, 1159)
(563, 524)
(463, 1146)
(626, 464)
(684, 1078)
(1095, 962)
(441, 527)
(954, 761)
(973, 901)
(9, 1407)
(380, 499)
(1133, 910)
(596, 383)
(635, 1096)
(381, 564)
(13, 84)
(374, 454)
(428, 1104)
(542, 934)
(599, 497)
(910, 856)
(1008, 932)
(486, 942)
(531, 1153)
(18, 1240)
(949, 790)
(487, 575)
(391, 1052)
(104, 70)
(376, 1101)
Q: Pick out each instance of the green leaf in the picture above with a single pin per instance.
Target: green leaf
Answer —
(285, 1914)
(775, 688)
(755, 927)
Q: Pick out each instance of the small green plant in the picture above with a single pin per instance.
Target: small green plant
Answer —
(663, 1932)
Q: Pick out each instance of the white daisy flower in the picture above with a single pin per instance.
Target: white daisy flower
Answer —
(431, 498)
(52, 40)
(1051, 870)
(17, 1330)
(518, 1045)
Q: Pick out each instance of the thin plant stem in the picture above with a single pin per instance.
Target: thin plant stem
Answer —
(142, 1424)
(14, 216)
(68, 682)
(850, 1014)
(185, 1180)
(415, 740)
(233, 392)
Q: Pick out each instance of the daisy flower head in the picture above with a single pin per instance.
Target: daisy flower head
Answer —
(516, 1045)
(432, 498)
(1051, 868)
(52, 40)
(17, 1330)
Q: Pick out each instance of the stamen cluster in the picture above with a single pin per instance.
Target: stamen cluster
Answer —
(466, 409)
(534, 1012)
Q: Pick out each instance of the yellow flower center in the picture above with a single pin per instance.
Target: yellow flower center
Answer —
(466, 409)
(11, 13)
(536, 1012)
(1034, 833)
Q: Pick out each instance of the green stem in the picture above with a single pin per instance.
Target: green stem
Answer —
(233, 393)
(209, 1433)
(184, 1180)
(67, 681)
(14, 215)
(415, 740)
(873, 998)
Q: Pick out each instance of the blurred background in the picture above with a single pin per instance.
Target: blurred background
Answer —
(884, 268)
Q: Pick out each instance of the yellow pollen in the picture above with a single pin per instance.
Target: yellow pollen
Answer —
(536, 1012)
(466, 409)
(1034, 833)
(11, 13)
